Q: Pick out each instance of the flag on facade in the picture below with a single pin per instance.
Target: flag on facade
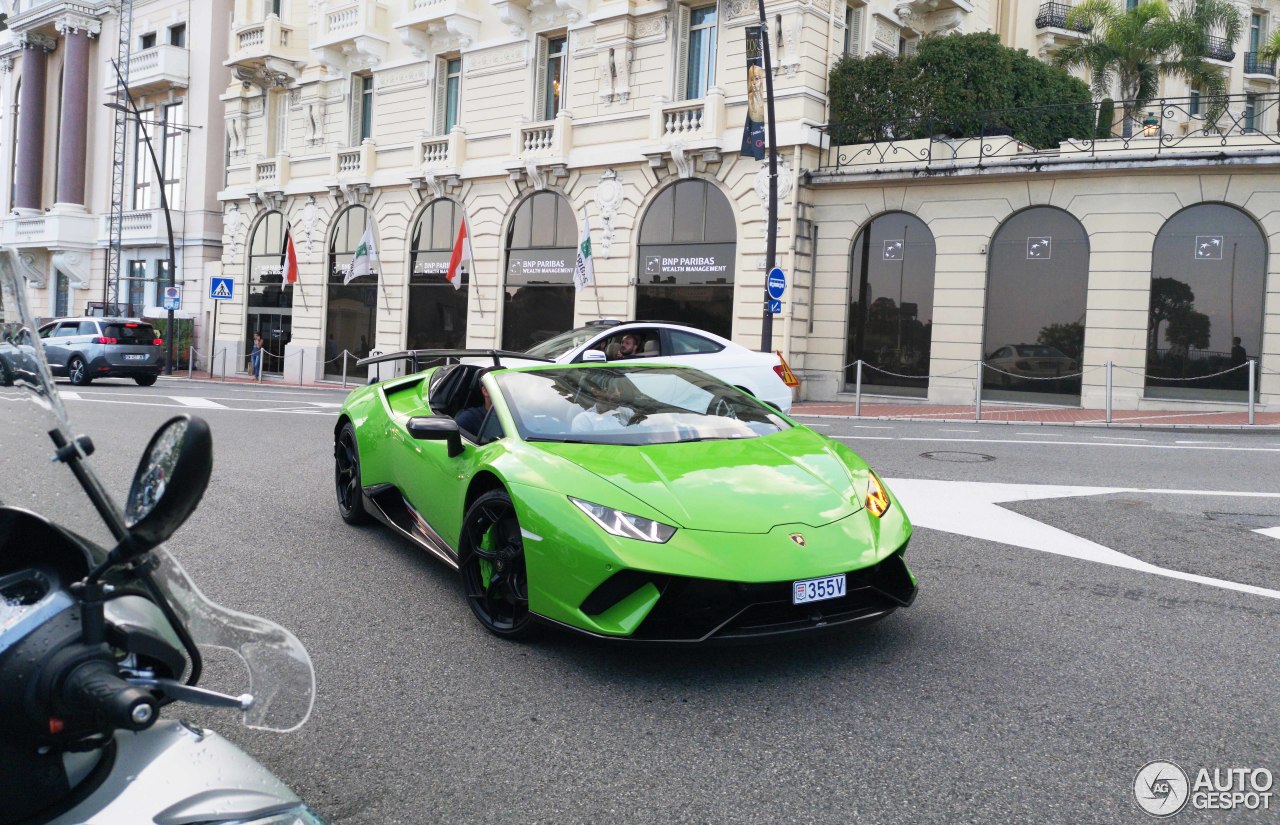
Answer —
(461, 252)
(584, 269)
(365, 257)
(757, 106)
(289, 259)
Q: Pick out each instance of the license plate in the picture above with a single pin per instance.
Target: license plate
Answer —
(135, 358)
(817, 590)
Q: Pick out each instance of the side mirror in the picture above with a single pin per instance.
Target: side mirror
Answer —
(170, 481)
(594, 355)
(436, 428)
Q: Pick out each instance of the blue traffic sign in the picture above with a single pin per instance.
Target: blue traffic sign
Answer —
(172, 298)
(777, 283)
(222, 289)
(775, 307)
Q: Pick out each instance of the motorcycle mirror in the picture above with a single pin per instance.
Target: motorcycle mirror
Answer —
(170, 480)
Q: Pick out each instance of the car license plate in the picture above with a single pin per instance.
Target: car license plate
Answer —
(817, 590)
(135, 358)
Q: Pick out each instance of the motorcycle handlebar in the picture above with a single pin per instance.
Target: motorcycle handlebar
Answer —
(97, 687)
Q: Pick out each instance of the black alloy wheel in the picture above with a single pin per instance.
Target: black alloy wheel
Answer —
(346, 477)
(145, 380)
(492, 566)
(78, 371)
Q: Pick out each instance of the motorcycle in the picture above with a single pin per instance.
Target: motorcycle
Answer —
(101, 628)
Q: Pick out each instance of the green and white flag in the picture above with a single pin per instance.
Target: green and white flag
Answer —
(584, 270)
(365, 259)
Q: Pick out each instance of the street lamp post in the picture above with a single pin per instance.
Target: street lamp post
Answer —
(132, 110)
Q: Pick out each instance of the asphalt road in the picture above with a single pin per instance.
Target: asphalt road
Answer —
(1030, 681)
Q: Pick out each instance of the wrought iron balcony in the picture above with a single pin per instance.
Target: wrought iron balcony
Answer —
(1054, 16)
(1253, 64)
(1217, 48)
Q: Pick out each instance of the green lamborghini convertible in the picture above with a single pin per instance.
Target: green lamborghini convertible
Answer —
(620, 500)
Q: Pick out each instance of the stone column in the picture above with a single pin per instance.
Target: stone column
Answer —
(30, 177)
(75, 112)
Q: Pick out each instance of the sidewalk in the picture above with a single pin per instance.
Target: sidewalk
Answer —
(993, 412)
(1031, 415)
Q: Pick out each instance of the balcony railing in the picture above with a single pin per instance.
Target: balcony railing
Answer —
(1054, 16)
(1217, 48)
(684, 120)
(1253, 64)
(155, 69)
(1067, 132)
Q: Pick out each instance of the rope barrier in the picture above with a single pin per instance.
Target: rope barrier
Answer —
(1149, 376)
(1022, 377)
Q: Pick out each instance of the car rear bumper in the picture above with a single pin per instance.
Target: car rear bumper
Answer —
(103, 367)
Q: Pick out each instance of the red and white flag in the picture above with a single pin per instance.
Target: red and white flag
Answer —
(289, 259)
(461, 252)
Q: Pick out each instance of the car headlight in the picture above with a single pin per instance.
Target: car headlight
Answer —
(618, 523)
(877, 498)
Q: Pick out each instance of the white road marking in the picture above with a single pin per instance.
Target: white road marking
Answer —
(1118, 438)
(1058, 443)
(197, 401)
(1273, 532)
(959, 431)
(1043, 435)
(972, 509)
(1198, 442)
(69, 395)
(870, 427)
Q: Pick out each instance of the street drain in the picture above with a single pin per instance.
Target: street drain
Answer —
(957, 456)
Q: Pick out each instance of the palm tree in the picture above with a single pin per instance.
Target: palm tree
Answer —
(1131, 51)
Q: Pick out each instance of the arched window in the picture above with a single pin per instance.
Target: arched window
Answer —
(1037, 285)
(437, 311)
(1208, 284)
(891, 303)
(353, 291)
(541, 248)
(270, 304)
(688, 244)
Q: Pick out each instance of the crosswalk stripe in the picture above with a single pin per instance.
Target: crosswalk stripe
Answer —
(197, 401)
(67, 395)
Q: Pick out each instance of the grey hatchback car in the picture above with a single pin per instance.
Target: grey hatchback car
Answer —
(87, 348)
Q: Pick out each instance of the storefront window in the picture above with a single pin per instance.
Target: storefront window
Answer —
(437, 311)
(688, 246)
(890, 324)
(270, 311)
(353, 304)
(1037, 284)
(1208, 276)
(541, 248)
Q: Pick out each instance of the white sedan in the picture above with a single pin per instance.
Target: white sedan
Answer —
(763, 374)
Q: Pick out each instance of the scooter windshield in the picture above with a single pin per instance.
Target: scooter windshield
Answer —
(277, 667)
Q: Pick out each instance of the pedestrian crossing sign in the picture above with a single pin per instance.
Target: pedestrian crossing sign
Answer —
(222, 289)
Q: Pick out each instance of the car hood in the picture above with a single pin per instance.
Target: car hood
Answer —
(733, 486)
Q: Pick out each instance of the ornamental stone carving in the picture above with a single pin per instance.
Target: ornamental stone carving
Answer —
(609, 195)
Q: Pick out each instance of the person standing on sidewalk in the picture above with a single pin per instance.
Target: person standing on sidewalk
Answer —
(255, 357)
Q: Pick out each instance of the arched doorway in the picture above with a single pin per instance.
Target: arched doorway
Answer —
(352, 304)
(270, 304)
(437, 311)
(541, 249)
(890, 321)
(688, 245)
(1037, 287)
(1208, 285)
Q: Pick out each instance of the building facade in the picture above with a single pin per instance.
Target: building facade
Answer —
(56, 136)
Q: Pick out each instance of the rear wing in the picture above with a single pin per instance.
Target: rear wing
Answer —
(417, 356)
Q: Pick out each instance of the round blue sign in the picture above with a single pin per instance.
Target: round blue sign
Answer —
(777, 283)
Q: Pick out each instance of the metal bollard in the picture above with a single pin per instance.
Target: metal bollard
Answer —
(191, 363)
(857, 391)
(1249, 367)
(977, 396)
(302, 365)
(224, 365)
(1109, 385)
(344, 369)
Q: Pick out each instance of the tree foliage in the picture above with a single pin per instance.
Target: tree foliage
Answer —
(1130, 51)
(960, 85)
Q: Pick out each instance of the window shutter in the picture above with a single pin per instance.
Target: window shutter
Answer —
(540, 82)
(354, 110)
(442, 93)
(855, 31)
(682, 53)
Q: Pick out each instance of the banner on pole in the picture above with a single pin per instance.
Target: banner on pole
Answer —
(753, 128)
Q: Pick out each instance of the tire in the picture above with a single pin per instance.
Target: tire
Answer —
(78, 371)
(145, 380)
(492, 569)
(346, 477)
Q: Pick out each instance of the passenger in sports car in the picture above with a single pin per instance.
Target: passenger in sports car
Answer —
(606, 413)
(471, 418)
